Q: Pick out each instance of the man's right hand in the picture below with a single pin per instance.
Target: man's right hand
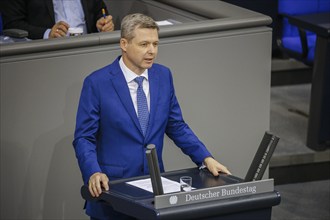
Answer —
(60, 29)
(96, 182)
(105, 24)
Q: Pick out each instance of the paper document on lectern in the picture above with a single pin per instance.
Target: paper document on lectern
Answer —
(169, 186)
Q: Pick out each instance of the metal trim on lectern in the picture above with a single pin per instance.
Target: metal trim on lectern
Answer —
(214, 193)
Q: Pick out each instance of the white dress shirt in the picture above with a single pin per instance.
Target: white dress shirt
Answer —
(71, 12)
(133, 86)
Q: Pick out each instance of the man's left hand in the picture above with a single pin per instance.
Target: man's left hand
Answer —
(215, 167)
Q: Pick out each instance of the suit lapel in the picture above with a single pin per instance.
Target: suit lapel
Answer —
(50, 7)
(154, 88)
(120, 85)
(84, 4)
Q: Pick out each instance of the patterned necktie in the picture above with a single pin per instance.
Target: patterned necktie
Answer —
(142, 105)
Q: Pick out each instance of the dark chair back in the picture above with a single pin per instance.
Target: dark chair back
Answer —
(298, 43)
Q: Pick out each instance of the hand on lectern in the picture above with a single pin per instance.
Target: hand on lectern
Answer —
(215, 167)
(96, 182)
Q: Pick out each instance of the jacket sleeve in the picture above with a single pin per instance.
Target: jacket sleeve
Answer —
(87, 127)
(93, 12)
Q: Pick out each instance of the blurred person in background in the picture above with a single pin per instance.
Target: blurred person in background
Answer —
(44, 19)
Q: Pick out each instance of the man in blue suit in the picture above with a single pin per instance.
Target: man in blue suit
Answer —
(112, 130)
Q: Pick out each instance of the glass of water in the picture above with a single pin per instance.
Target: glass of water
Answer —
(185, 183)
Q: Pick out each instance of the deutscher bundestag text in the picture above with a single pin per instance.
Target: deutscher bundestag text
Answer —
(222, 193)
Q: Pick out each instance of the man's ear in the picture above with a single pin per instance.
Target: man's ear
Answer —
(123, 44)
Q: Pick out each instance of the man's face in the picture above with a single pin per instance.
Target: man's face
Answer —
(140, 53)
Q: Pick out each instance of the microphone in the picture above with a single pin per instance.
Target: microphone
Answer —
(154, 171)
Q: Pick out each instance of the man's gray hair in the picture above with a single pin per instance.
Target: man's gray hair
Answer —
(137, 20)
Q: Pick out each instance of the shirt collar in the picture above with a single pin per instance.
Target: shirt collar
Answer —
(129, 74)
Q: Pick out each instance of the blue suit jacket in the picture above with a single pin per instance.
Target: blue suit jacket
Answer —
(108, 136)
